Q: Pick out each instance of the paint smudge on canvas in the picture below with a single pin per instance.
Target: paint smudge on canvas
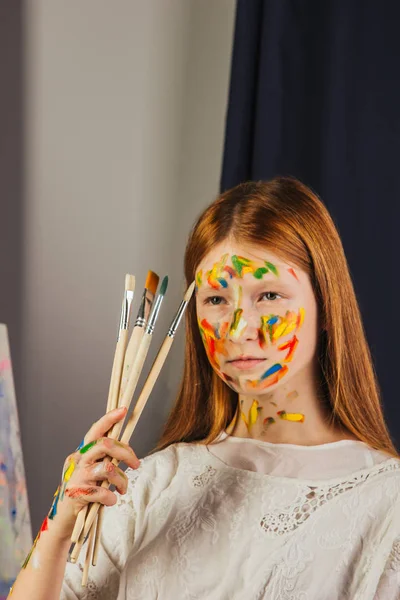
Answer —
(15, 525)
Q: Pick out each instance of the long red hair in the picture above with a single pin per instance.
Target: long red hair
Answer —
(286, 217)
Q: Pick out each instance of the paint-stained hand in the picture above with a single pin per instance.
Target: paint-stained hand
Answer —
(85, 469)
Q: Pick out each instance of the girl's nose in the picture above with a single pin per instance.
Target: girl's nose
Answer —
(244, 326)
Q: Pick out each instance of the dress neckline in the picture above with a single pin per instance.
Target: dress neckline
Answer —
(224, 435)
(387, 464)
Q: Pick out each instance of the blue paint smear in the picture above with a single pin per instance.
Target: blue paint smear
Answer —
(271, 371)
(80, 445)
(273, 320)
(53, 510)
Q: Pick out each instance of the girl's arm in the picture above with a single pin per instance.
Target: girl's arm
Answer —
(42, 578)
(44, 569)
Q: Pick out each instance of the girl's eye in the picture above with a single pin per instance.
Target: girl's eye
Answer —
(214, 300)
(271, 295)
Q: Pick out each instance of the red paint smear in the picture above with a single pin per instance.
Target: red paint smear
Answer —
(293, 273)
(215, 285)
(80, 492)
(271, 380)
(292, 345)
(230, 271)
(45, 524)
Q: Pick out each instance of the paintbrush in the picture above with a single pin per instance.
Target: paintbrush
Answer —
(145, 305)
(122, 340)
(156, 367)
(137, 366)
(127, 397)
(112, 400)
(147, 389)
(138, 330)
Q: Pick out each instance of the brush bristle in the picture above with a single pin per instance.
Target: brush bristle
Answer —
(152, 282)
(164, 286)
(130, 282)
(189, 291)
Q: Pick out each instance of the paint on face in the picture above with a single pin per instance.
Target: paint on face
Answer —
(291, 345)
(292, 272)
(268, 421)
(199, 279)
(238, 324)
(274, 327)
(218, 276)
(270, 377)
(252, 417)
(214, 340)
(297, 417)
(292, 395)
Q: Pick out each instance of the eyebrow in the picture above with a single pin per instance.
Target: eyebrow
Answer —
(254, 284)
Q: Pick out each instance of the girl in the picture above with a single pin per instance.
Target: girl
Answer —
(275, 476)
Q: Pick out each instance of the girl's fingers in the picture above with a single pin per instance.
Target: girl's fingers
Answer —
(104, 446)
(102, 472)
(88, 493)
(104, 424)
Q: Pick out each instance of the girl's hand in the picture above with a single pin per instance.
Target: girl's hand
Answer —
(84, 469)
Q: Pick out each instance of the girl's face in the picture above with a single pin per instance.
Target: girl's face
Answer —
(257, 316)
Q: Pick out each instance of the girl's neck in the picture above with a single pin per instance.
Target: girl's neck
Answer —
(292, 413)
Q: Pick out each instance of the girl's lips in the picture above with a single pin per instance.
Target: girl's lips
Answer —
(244, 365)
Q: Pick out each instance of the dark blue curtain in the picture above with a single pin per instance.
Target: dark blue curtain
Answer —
(315, 93)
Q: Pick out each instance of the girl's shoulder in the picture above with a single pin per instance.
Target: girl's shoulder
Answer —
(159, 468)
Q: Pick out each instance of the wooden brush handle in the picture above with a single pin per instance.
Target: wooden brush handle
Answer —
(89, 551)
(147, 389)
(116, 374)
(79, 523)
(130, 355)
(100, 517)
(114, 434)
(134, 375)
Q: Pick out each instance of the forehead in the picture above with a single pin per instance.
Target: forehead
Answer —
(232, 255)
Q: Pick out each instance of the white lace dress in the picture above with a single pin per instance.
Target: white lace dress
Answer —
(243, 520)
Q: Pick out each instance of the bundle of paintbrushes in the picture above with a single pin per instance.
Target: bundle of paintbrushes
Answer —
(128, 363)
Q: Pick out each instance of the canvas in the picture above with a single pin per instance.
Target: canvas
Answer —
(15, 525)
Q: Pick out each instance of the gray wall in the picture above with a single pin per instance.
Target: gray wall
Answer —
(125, 110)
(11, 173)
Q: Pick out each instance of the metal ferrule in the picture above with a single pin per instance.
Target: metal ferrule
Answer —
(154, 314)
(177, 319)
(140, 319)
(126, 309)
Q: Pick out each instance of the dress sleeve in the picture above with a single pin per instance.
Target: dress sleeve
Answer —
(116, 542)
(123, 529)
(389, 582)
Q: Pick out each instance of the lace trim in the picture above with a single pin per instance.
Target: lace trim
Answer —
(394, 558)
(284, 520)
(204, 478)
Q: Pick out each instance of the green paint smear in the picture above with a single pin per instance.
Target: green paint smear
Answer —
(272, 268)
(87, 447)
(237, 265)
(236, 319)
(259, 273)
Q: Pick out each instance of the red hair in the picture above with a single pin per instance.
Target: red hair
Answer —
(286, 217)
